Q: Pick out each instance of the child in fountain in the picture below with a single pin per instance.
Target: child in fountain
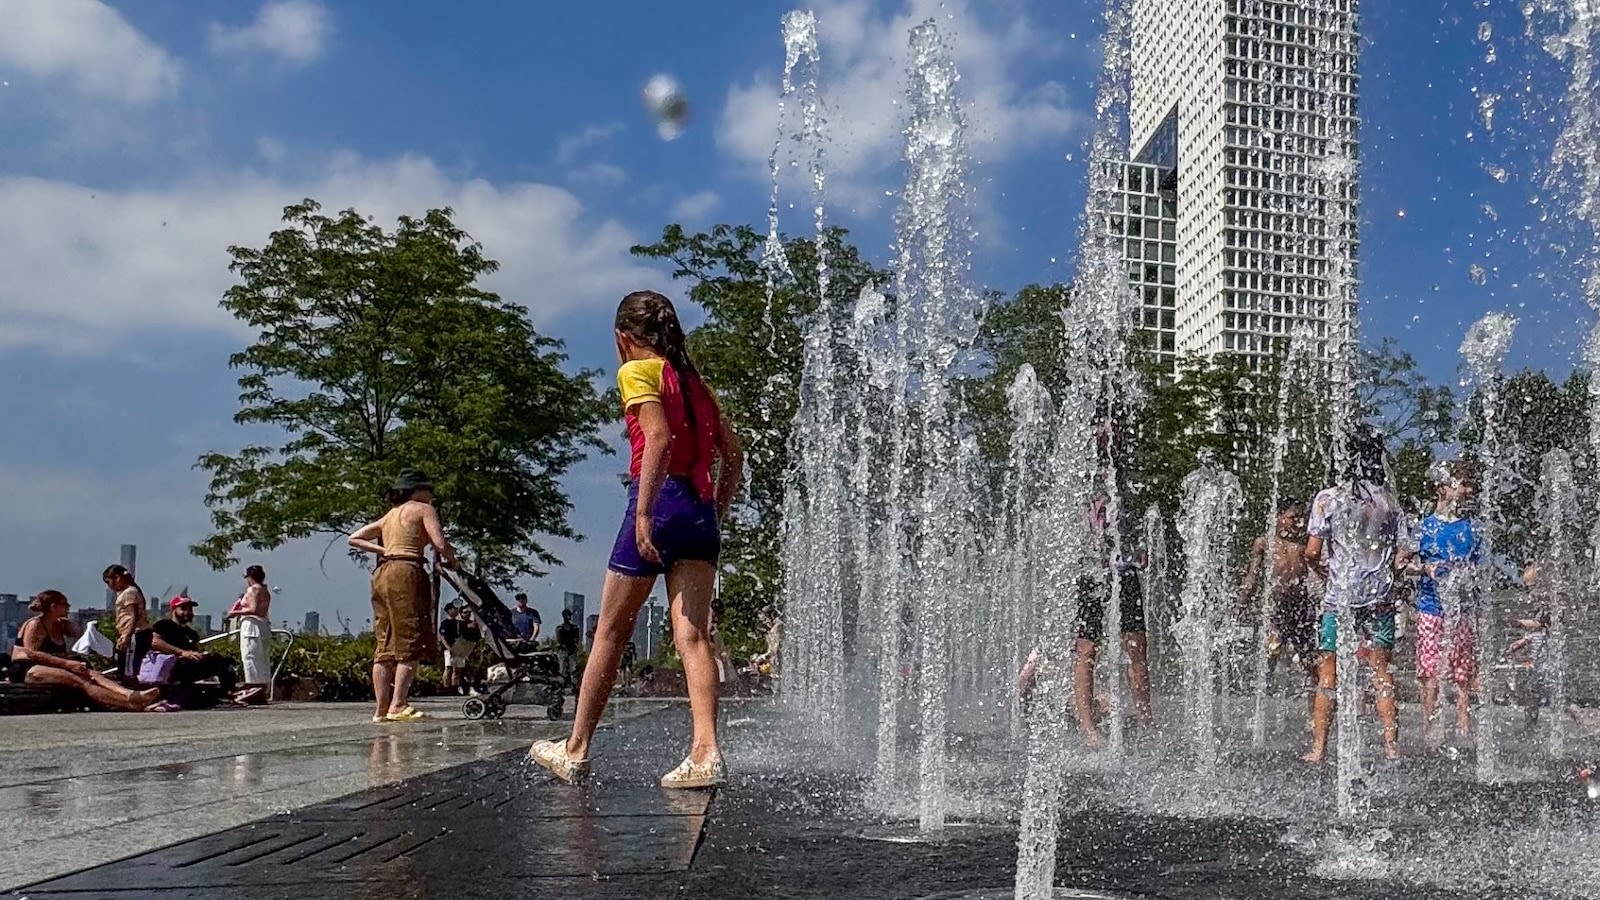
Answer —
(1290, 615)
(1094, 590)
(685, 470)
(1353, 536)
(1447, 549)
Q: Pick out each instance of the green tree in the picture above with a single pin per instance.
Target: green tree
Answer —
(1536, 415)
(375, 351)
(751, 352)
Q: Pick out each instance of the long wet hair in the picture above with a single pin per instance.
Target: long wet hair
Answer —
(256, 574)
(650, 319)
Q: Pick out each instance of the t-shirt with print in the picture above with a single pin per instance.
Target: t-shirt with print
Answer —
(1361, 561)
(1443, 545)
(694, 438)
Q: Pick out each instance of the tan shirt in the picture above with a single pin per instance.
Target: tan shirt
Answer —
(131, 615)
(403, 532)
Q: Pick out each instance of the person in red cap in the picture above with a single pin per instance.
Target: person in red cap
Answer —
(175, 635)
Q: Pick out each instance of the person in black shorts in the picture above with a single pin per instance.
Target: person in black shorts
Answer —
(1093, 592)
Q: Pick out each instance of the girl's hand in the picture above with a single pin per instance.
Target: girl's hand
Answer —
(641, 535)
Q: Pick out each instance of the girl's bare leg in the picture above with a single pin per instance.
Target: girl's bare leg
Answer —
(689, 588)
(621, 598)
(1083, 691)
(1139, 677)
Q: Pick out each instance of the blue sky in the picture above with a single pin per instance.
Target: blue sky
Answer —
(138, 139)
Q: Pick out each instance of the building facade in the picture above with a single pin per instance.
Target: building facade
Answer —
(312, 624)
(1245, 111)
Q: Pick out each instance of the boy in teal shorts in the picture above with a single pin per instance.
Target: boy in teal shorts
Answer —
(1353, 537)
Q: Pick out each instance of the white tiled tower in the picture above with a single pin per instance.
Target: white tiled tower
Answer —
(1241, 102)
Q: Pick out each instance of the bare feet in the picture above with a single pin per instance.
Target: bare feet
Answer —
(142, 699)
(1314, 757)
(1092, 740)
(1391, 752)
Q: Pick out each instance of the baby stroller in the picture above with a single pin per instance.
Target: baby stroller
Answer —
(524, 664)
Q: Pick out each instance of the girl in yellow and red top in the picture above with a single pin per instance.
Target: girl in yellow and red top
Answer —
(685, 469)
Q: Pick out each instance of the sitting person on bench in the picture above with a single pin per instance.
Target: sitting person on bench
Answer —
(173, 636)
(40, 658)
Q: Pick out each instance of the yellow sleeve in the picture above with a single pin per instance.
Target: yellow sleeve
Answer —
(639, 381)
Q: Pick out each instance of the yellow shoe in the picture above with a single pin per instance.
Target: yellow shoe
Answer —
(409, 714)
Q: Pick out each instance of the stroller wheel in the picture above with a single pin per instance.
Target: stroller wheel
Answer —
(474, 708)
(496, 710)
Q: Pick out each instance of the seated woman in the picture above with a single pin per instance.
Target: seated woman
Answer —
(40, 657)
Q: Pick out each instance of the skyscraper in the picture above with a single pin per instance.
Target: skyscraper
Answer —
(573, 603)
(1239, 106)
(313, 623)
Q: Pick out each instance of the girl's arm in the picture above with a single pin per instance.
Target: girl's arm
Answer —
(652, 472)
(435, 530)
(362, 538)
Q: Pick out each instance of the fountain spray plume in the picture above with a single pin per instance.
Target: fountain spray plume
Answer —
(1335, 180)
(815, 531)
(1029, 406)
(1098, 390)
(1211, 503)
(941, 312)
(1558, 584)
(1483, 352)
(1294, 356)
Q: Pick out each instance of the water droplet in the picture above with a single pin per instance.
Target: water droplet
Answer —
(1485, 31)
(1477, 274)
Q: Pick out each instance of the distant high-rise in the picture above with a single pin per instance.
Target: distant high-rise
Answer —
(313, 623)
(13, 612)
(130, 561)
(1234, 106)
(647, 629)
(574, 603)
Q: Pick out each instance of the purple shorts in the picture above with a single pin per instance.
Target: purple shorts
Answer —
(685, 530)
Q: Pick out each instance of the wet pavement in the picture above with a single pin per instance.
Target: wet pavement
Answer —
(792, 824)
(82, 789)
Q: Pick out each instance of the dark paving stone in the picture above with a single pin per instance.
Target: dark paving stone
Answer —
(495, 828)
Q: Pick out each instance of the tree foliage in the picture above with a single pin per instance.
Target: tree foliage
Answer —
(751, 352)
(377, 351)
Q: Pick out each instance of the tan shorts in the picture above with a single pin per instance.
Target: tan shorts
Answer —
(402, 612)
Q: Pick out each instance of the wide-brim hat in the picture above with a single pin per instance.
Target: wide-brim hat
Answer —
(413, 480)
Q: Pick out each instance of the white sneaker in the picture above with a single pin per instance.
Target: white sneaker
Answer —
(553, 756)
(689, 774)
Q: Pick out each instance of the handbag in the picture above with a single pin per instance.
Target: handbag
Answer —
(156, 668)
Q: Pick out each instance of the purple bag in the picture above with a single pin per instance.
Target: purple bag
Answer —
(156, 668)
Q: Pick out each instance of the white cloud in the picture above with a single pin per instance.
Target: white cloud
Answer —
(598, 174)
(295, 31)
(81, 265)
(571, 146)
(695, 207)
(863, 78)
(88, 45)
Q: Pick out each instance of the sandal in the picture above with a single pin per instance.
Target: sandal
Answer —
(690, 774)
(409, 714)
